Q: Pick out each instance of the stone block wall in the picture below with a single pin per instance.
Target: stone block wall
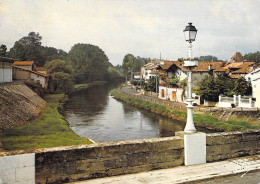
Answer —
(108, 159)
(222, 146)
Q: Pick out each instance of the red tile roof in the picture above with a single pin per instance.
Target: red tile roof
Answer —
(23, 63)
(204, 66)
(151, 67)
(234, 76)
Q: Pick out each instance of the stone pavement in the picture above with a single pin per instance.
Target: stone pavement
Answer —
(186, 174)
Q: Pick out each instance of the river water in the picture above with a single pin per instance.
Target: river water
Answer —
(96, 115)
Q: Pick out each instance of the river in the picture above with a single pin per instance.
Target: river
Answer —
(96, 115)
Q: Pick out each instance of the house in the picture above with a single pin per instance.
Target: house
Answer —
(29, 65)
(20, 73)
(6, 69)
(254, 77)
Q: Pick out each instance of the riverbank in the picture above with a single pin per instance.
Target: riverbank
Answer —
(80, 87)
(206, 121)
(48, 130)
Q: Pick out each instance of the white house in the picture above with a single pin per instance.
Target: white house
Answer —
(137, 75)
(6, 69)
(254, 77)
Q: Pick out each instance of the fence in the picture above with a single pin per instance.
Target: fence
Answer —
(236, 101)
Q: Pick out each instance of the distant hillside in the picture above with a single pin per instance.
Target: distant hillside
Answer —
(18, 105)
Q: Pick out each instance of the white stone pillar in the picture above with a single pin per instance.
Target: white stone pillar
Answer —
(239, 100)
(250, 102)
(194, 147)
(235, 99)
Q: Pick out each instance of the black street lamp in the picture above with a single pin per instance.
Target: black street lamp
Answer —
(190, 33)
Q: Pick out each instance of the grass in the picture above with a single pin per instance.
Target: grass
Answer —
(48, 130)
(199, 120)
(88, 84)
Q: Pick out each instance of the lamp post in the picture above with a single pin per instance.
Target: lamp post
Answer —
(190, 35)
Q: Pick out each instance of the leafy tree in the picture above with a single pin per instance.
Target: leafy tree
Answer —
(61, 76)
(209, 88)
(172, 80)
(58, 65)
(90, 63)
(208, 58)
(61, 82)
(151, 85)
(113, 73)
(3, 49)
(242, 87)
(253, 57)
(51, 53)
(28, 48)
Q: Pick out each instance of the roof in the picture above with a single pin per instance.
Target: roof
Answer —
(137, 73)
(237, 57)
(245, 68)
(234, 76)
(166, 65)
(38, 73)
(204, 66)
(149, 63)
(242, 67)
(151, 67)
(23, 63)
(153, 72)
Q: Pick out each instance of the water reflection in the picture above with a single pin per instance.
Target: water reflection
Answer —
(95, 115)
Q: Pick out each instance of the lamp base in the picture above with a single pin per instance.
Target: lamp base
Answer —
(194, 147)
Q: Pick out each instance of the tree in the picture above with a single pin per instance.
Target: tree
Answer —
(89, 62)
(113, 73)
(3, 49)
(151, 85)
(253, 57)
(61, 76)
(208, 58)
(242, 87)
(58, 65)
(209, 88)
(28, 48)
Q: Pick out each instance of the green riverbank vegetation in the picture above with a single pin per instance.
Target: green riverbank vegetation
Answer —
(48, 130)
(199, 120)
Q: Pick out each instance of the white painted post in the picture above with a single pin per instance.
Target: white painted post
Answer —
(250, 102)
(219, 98)
(194, 147)
(235, 99)
(239, 100)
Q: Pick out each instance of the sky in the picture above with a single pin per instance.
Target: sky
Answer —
(143, 28)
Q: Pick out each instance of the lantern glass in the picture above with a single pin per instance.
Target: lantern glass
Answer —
(193, 35)
(190, 33)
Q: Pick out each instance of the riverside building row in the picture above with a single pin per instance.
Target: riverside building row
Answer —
(170, 73)
(11, 69)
